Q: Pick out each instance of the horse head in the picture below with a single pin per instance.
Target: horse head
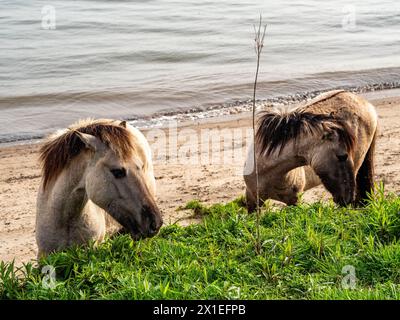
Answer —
(332, 161)
(116, 181)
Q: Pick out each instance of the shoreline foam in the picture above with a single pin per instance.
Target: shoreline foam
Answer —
(162, 118)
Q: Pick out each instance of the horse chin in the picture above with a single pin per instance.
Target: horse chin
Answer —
(136, 236)
(342, 201)
(139, 235)
(130, 226)
(135, 231)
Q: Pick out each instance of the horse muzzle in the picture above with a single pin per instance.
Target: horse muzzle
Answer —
(152, 220)
(344, 200)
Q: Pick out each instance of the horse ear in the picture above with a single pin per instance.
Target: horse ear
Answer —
(123, 124)
(91, 142)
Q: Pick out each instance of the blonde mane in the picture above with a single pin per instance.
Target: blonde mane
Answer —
(61, 148)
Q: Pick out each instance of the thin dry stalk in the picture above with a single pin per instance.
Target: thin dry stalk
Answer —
(259, 44)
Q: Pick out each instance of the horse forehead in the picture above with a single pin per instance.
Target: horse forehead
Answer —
(112, 158)
(331, 149)
(134, 161)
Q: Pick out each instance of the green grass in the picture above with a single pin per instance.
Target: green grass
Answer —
(304, 250)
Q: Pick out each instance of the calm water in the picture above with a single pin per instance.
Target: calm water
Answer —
(132, 59)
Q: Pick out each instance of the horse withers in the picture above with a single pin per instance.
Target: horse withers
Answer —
(91, 171)
(329, 140)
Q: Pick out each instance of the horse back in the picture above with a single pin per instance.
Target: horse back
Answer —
(345, 105)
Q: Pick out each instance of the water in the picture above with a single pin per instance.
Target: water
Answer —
(137, 59)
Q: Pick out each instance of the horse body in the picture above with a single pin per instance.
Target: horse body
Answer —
(96, 185)
(318, 154)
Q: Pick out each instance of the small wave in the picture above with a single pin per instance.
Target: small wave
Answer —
(237, 107)
(282, 92)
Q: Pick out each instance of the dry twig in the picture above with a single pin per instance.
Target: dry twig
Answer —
(259, 44)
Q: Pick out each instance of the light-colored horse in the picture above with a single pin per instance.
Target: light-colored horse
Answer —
(330, 140)
(91, 170)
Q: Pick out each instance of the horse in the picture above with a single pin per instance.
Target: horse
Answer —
(94, 173)
(329, 140)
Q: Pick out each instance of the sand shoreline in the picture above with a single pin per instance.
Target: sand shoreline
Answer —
(177, 182)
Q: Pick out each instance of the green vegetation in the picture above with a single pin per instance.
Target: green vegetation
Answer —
(304, 251)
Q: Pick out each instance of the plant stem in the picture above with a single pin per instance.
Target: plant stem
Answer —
(259, 44)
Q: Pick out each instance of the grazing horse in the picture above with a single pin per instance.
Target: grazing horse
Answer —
(329, 140)
(91, 171)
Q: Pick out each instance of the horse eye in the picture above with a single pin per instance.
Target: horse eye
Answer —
(342, 157)
(118, 173)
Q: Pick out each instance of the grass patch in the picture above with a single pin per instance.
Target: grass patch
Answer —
(304, 251)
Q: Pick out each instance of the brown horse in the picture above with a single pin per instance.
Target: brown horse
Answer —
(92, 170)
(329, 140)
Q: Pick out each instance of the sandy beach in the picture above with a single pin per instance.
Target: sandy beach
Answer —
(177, 183)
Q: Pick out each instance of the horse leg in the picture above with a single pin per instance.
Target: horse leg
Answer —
(295, 182)
(365, 175)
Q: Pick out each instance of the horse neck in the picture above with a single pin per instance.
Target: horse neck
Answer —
(287, 165)
(68, 194)
(284, 161)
